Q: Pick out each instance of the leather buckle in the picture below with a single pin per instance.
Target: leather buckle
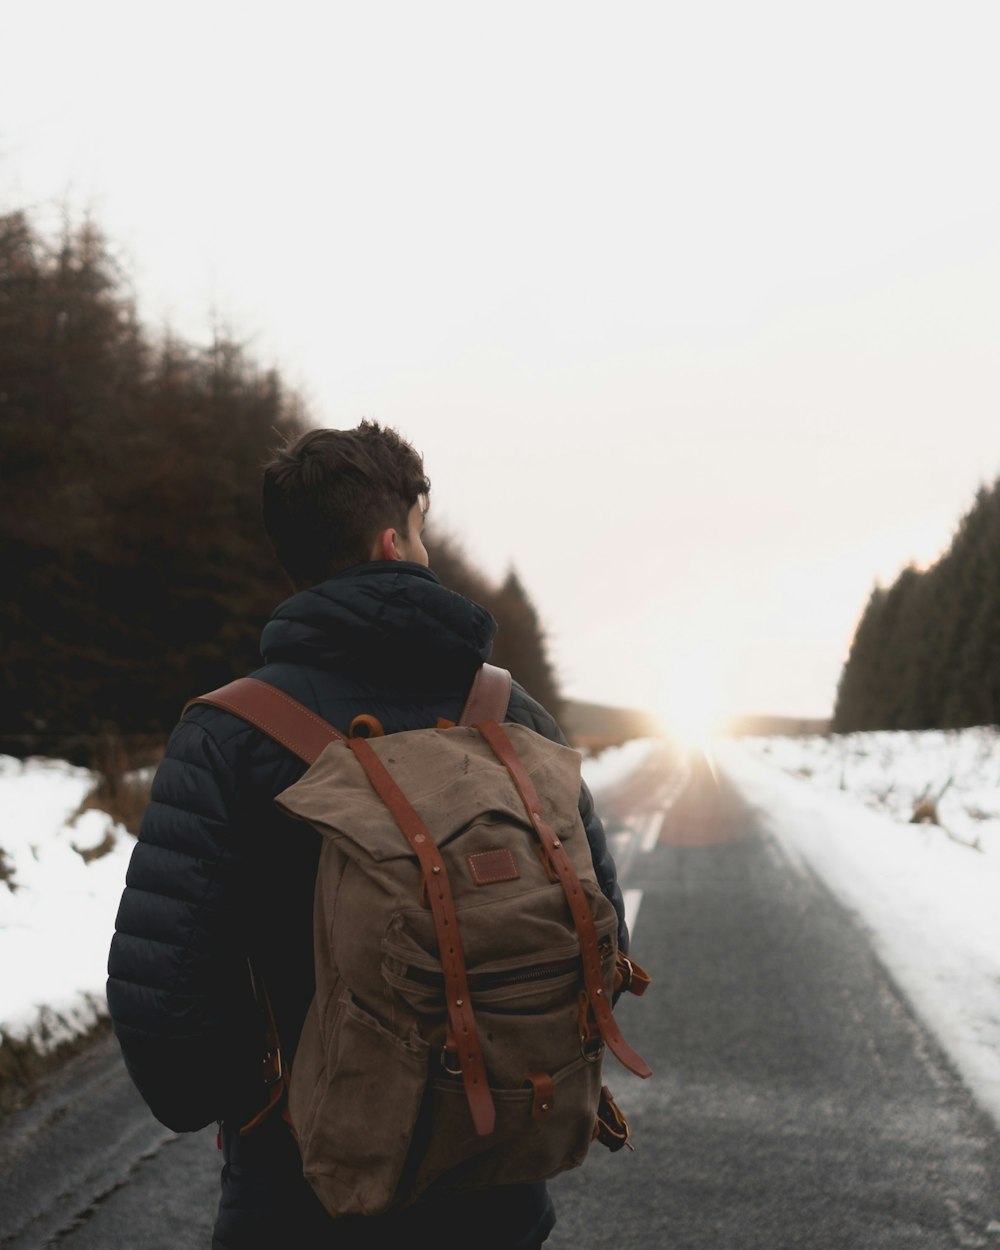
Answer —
(611, 1128)
(623, 973)
(449, 1058)
(271, 1067)
(591, 1041)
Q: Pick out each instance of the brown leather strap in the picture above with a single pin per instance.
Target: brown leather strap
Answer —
(611, 1128)
(303, 732)
(460, 1015)
(543, 1095)
(630, 976)
(274, 713)
(488, 696)
(274, 1074)
(503, 749)
(306, 734)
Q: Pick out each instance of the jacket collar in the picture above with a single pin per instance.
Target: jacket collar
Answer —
(387, 616)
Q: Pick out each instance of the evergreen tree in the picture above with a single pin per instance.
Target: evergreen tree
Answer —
(926, 653)
(854, 706)
(136, 566)
(520, 643)
(973, 672)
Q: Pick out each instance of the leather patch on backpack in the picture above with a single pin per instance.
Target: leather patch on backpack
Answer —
(488, 867)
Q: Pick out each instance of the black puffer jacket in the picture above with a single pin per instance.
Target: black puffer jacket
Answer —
(219, 874)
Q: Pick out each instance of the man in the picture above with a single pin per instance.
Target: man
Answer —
(220, 880)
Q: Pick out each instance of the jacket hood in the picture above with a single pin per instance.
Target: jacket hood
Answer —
(384, 617)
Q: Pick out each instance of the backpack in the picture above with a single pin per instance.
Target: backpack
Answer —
(466, 958)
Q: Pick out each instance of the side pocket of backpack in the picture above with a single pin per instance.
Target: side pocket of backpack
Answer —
(358, 1108)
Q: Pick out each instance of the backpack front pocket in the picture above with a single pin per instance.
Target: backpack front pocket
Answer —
(362, 1109)
(521, 1147)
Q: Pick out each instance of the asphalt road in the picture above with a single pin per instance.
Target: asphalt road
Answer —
(796, 1101)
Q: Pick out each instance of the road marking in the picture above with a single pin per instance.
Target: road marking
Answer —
(643, 827)
(632, 900)
(652, 834)
(619, 842)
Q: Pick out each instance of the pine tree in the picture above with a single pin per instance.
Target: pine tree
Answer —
(926, 653)
(520, 643)
(135, 560)
(136, 565)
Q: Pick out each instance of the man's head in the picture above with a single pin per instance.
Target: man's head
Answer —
(335, 498)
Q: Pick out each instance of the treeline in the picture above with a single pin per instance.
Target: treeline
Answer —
(926, 653)
(520, 643)
(136, 569)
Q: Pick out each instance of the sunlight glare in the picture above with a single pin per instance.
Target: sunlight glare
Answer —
(693, 706)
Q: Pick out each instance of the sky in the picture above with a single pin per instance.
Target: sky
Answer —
(925, 893)
(692, 310)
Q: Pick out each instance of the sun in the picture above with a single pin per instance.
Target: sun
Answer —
(692, 706)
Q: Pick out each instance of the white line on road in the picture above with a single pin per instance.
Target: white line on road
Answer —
(632, 901)
(652, 834)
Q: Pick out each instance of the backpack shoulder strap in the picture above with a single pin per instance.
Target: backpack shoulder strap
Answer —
(303, 732)
(291, 723)
(275, 713)
(488, 696)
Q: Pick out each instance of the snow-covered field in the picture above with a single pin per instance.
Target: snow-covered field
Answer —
(58, 905)
(893, 772)
(839, 806)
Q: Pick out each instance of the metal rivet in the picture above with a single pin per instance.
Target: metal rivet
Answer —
(459, 1002)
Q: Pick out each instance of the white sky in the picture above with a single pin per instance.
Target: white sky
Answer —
(926, 897)
(692, 309)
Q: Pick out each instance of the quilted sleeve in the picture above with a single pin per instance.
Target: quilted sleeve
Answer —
(524, 710)
(178, 985)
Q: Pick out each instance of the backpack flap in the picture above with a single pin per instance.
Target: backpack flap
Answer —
(472, 829)
(336, 796)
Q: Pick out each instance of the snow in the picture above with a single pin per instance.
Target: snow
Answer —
(57, 910)
(838, 806)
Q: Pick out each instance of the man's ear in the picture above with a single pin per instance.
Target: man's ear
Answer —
(384, 547)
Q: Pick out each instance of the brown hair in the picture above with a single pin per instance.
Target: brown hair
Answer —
(327, 495)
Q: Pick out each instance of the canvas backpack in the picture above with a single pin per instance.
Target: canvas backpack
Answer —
(466, 958)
